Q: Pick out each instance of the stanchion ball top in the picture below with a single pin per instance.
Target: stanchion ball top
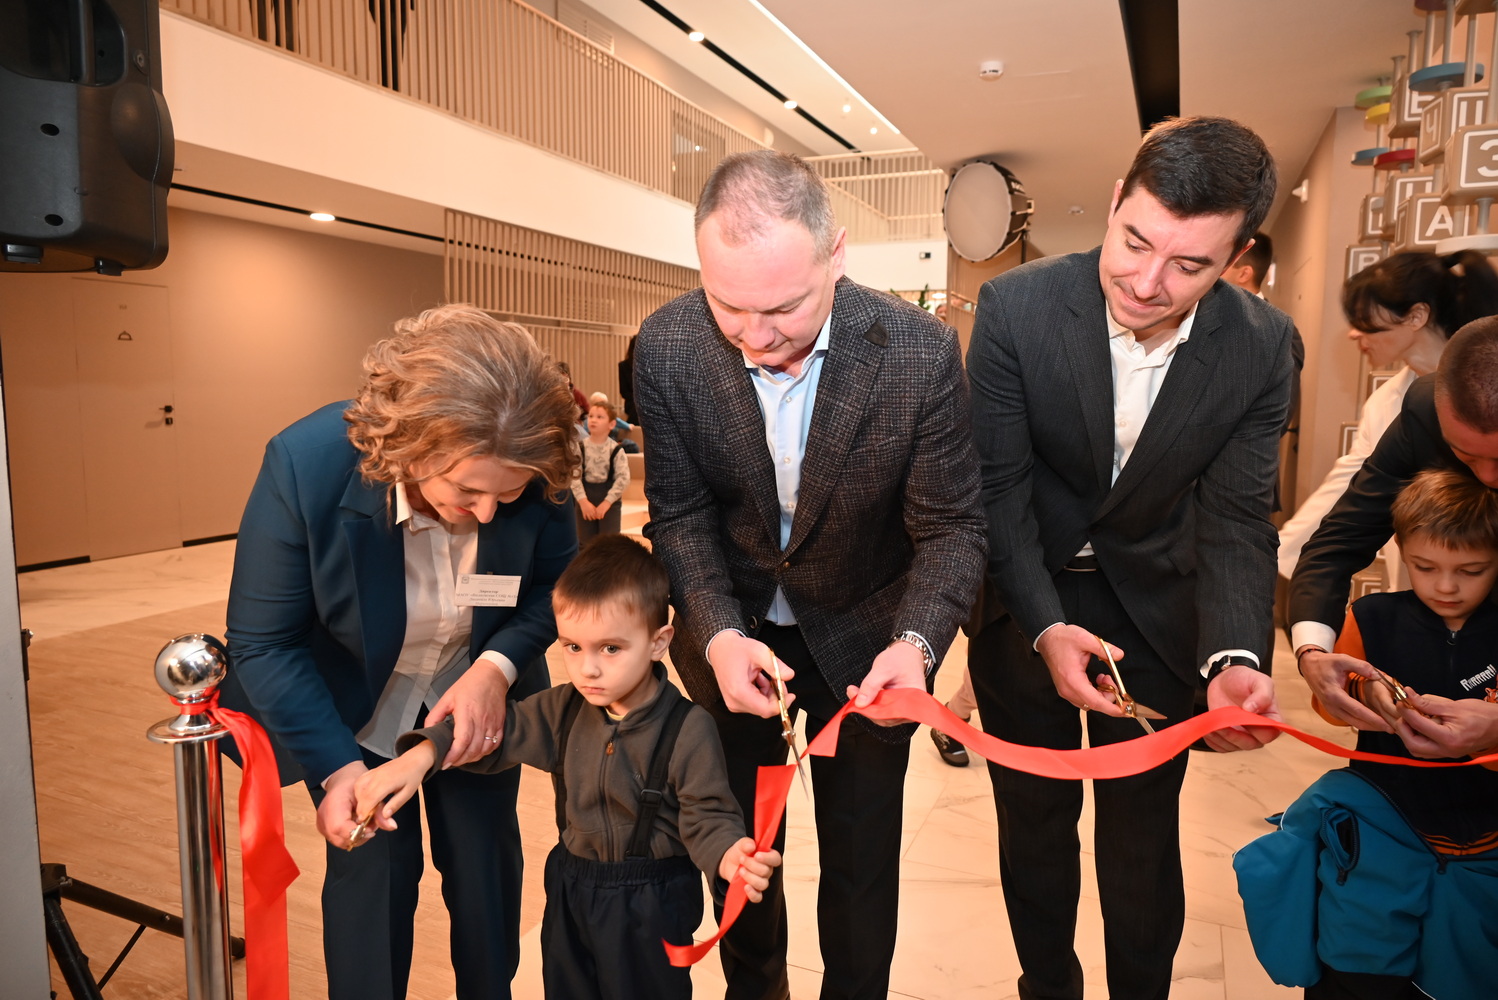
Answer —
(191, 665)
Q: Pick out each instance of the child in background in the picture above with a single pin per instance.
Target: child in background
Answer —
(625, 873)
(1407, 859)
(622, 427)
(600, 484)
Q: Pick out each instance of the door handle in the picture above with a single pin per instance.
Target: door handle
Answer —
(167, 409)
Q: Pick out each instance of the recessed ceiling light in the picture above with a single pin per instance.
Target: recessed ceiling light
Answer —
(696, 36)
(790, 105)
(847, 108)
(873, 130)
(322, 216)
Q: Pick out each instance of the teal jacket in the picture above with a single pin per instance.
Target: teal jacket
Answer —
(1346, 882)
(317, 605)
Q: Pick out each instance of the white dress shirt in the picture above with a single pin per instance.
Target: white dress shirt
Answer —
(1138, 374)
(1379, 411)
(438, 629)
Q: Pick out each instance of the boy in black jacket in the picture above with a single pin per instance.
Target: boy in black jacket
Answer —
(643, 800)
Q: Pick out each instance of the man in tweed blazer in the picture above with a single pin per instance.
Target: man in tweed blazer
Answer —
(1128, 408)
(813, 491)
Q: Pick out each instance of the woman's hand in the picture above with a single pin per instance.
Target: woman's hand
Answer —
(476, 702)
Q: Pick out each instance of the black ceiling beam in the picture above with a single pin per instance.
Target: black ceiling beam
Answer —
(749, 74)
(1152, 34)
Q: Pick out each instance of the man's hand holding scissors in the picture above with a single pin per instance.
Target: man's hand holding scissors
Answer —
(744, 669)
(1068, 651)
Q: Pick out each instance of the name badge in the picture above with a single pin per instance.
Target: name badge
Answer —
(487, 590)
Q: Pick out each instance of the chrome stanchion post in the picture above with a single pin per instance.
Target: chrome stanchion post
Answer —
(189, 668)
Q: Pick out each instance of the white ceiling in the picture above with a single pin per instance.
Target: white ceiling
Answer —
(1063, 116)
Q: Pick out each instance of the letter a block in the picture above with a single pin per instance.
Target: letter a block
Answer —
(1424, 221)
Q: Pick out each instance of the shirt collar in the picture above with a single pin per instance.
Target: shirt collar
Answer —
(824, 338)
(1181, 335)
(407, 515)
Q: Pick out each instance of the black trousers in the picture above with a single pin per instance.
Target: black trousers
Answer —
(1137, 825)
(1335, 985)
(369, 894)
(601, 935)
(860, 795)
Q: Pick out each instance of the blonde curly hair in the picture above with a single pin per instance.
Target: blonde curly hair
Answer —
(455, 383)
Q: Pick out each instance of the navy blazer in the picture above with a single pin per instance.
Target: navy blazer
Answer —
(317, 606)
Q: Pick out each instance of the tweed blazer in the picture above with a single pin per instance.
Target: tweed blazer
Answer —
(887, 535)
(1184, 534)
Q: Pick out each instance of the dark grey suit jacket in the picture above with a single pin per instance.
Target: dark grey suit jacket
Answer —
(888, 534)
(1184, 535)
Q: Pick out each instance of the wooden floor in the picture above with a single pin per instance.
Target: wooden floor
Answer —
(107, 810)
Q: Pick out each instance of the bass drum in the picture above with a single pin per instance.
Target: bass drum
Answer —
(985, 210)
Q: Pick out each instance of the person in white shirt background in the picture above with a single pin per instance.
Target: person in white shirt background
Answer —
(1402, 310)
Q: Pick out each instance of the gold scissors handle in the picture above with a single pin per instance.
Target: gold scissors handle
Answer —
(1396, 690)
(1131, 708)
(361, 831)
(788, 731)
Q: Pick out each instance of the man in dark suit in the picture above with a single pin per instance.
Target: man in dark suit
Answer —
(1128, 406)
(1449, 420)
(813, 492)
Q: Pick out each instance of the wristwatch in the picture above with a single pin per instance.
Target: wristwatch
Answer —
(919, 642)
(1223, 662)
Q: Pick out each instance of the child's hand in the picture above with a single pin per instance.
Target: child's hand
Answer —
(742, 859)
(590, 512)
(393, 783)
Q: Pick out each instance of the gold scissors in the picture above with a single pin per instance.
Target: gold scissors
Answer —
(788, 731)
(1131, 708)
(1396, 690)
(362, 831)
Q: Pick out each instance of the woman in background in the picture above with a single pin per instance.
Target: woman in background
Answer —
(1402, 310)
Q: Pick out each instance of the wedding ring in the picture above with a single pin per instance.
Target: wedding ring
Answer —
(492, 739)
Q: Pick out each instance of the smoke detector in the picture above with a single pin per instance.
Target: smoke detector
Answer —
(991, 69)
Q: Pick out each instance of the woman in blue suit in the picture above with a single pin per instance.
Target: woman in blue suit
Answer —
(394, 568)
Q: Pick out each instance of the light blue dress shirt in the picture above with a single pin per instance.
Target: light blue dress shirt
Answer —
(786, 402)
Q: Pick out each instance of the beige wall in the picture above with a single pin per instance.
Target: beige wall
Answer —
(266, 325)
(1309, 244)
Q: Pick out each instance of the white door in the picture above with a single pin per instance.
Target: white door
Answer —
(130, 470)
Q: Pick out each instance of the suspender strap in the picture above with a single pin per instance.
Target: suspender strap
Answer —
(613, 454)
(655, 781)
(558, 783)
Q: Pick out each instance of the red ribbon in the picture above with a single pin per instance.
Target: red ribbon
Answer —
(268, 867)
(1116, 760)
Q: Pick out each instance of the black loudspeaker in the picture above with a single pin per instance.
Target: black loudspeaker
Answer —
(86, 145)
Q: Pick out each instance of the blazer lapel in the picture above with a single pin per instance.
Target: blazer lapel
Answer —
(850, 371)
(377, 557)
(1191, 371)
(1085, 343)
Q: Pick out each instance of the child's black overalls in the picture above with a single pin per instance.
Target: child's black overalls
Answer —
(605, 920)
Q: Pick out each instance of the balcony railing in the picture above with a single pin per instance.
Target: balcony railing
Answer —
(882, 197)
(583, 302)
(502, 65)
